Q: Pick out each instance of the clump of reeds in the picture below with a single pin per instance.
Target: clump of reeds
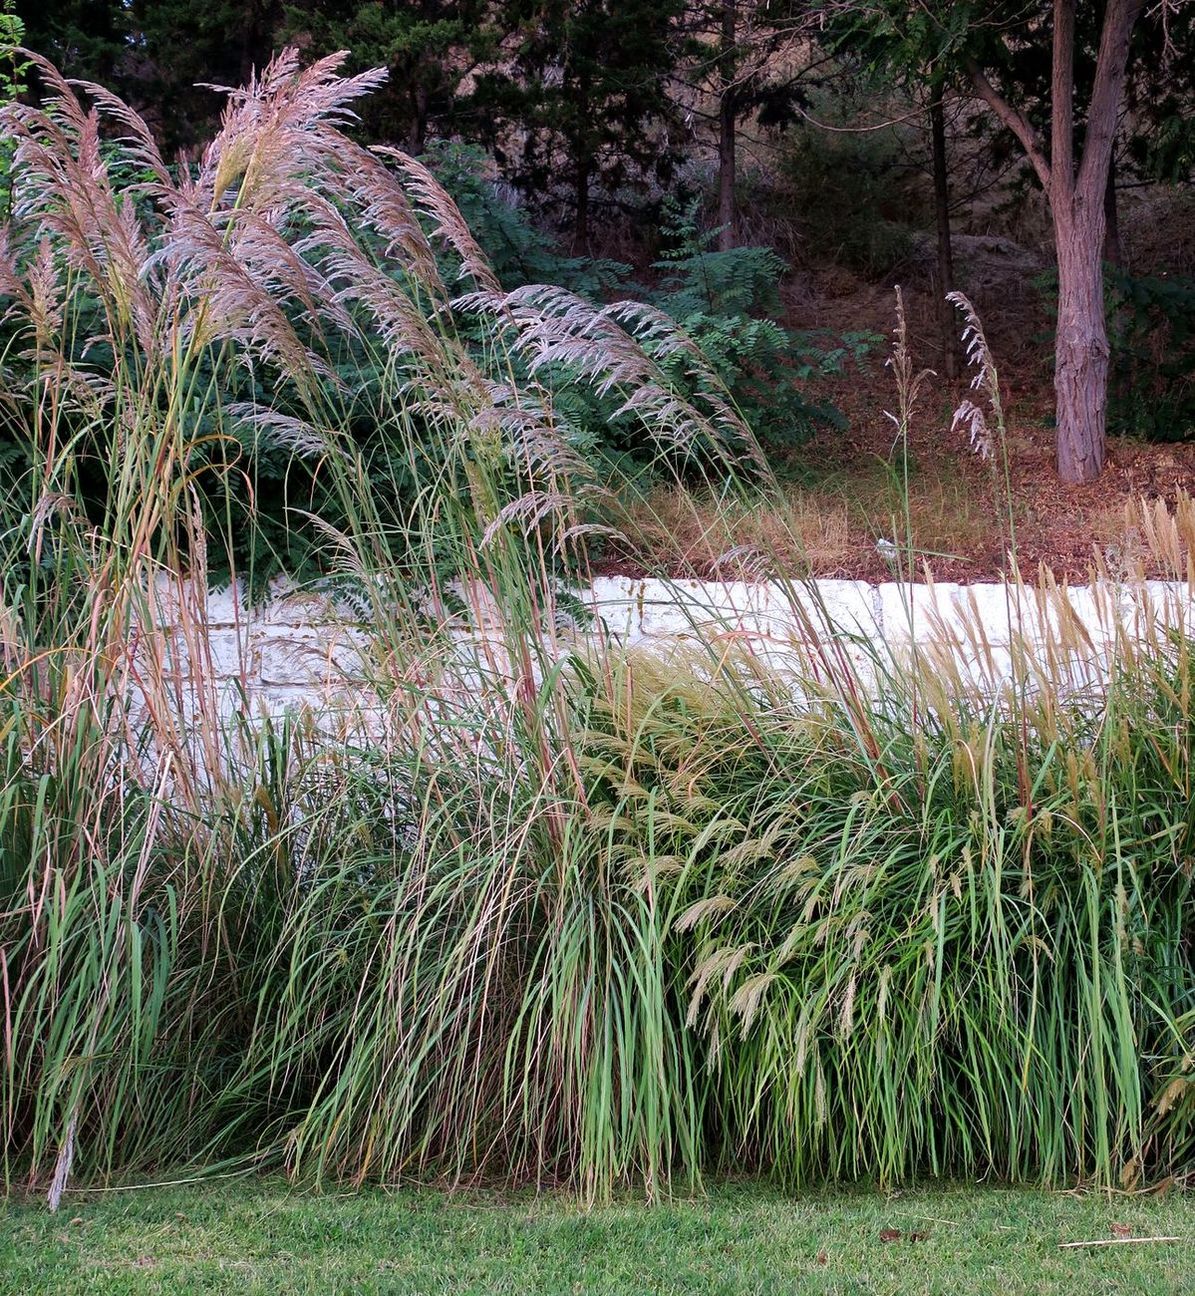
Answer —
(552, 910)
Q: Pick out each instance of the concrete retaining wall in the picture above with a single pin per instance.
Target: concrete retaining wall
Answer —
(300, 649)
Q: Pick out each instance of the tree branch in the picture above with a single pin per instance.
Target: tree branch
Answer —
(1062, 98)
(1016, 122)
(1107, 92)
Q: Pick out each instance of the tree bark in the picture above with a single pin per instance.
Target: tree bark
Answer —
(937, 121)
(726, 128)
(1077, 203)
(1081, 345)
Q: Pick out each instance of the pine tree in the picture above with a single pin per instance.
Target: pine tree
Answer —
(581, 92)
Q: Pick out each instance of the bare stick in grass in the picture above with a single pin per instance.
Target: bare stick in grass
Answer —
(1104, 1242)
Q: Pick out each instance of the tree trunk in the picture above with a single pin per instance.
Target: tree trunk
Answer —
(417, 134)
(1112, 248)
(1077, 203)
(1077, 206)
(726, 128)
(581, 206)
(726, 174)
(937, 121)
(1081, 345)
(582, 150)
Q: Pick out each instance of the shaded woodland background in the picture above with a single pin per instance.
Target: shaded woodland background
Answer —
(766, 172)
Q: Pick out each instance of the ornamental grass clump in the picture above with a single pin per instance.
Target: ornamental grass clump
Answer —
(537, 907)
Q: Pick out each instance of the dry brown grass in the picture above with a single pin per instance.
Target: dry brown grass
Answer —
(807, 533)
(833, 529)
(829, 529)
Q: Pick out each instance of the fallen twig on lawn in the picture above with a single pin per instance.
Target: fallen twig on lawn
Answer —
(1102, 1242)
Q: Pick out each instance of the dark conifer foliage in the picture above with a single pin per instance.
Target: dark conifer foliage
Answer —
(597, 117)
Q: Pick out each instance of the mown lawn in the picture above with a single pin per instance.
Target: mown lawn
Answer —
(250, 1237)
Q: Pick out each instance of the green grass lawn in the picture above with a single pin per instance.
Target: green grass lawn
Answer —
(267, 1237)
